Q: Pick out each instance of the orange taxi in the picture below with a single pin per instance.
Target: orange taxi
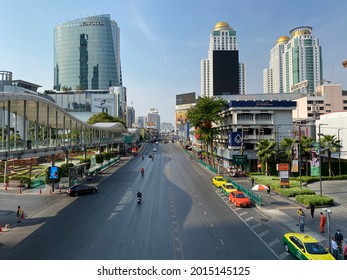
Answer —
(239, 199)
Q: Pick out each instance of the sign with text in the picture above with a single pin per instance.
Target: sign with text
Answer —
(240, 159)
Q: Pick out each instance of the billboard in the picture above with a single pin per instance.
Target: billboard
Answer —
(185, 98)
(53, 172)
(181, 117)
(226, 72)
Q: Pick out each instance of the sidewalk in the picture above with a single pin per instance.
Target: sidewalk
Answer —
(59, 187)
(283, 210)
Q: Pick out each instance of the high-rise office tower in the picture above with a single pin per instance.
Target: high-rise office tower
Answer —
(273, 76)
(87, 54)
(130, 119)
(221, 72)
(153, 118)
(295, 63)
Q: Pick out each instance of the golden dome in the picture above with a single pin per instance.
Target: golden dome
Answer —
(282, 39)
(222, 25)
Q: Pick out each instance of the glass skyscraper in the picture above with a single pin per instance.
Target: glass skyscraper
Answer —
(87, 54)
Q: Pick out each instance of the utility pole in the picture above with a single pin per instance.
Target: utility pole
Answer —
(299, 155)
(338, 138)
(320, 159)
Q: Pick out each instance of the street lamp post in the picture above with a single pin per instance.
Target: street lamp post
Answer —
(320, 159)
(338, 138)
(328, 212)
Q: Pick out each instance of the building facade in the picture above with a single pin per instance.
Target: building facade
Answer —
(327, 98)
(249, 119)
(273, 76)
(295, 63)
(221, 73)
(184, 102)
(130, 118)
(87, 54)
(153, 119)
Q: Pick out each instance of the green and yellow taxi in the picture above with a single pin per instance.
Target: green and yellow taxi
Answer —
(227, 188)
(219, 181)
(305, 247)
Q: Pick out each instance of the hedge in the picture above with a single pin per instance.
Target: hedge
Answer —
(316, 200)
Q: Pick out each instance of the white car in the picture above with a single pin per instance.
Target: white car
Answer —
(154, 149)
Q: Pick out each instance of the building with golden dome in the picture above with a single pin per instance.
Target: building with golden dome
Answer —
(295, 63)
(221, 72)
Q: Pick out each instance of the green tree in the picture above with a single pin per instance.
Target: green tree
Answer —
(305, 150)
(266, 149)
(104, 117)
(285, 149)
(204, 116)
(329, 144)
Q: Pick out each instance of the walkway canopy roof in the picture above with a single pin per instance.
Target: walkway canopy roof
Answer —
(45, 112)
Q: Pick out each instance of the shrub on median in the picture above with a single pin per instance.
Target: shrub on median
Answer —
(316, 200)
(294, 191)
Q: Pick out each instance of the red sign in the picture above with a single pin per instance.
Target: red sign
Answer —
(282, 167)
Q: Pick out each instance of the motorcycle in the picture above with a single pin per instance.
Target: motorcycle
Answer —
(139, 197)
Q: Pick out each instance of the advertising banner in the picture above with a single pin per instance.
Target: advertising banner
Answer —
(315, 162)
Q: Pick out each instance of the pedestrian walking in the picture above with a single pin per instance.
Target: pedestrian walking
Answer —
(345, 251)
(334, 248)
(302, 221)
(312, 208)
(268, 190)
(339, 238)
(299, 214)
(252, 180)
(322, 221)
(20, 214)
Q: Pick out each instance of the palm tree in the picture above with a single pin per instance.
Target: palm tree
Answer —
(305, 148)
(329, 144)
(285, 148)
(266, 149)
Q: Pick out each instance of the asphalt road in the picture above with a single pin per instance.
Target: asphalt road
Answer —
(182, 216)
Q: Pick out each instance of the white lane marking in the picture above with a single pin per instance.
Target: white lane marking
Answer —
(264, 233)
(256, 225)
(274, 242)
(249, 218)
(252, 229)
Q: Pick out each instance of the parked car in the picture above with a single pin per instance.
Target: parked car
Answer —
(227, 188)
(305, 247)
(218, 181)
(81, 189)
(239, 199)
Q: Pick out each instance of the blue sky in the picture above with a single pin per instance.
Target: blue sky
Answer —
(163, 41)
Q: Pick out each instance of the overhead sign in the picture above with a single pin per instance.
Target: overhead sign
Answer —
(240, 159)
